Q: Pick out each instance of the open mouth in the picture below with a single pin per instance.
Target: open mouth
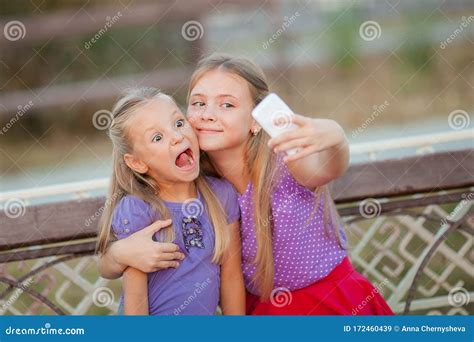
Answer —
(185, 159)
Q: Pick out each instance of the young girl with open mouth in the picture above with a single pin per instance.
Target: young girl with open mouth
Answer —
(156, 177)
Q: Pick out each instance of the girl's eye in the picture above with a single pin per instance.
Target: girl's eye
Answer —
(227, 105)
(198, 104)
(180, 123)
(157, 138)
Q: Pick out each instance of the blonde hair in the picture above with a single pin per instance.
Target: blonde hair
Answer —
(262, 165)
(125, 181)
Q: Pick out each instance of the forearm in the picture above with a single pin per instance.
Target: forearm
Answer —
(135, 289)
(232, 279)
(109, 267)
(233, 295)
(320, 168)
(334, 161)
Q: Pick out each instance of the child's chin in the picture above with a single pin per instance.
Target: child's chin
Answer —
(209, 146)
(189, 176)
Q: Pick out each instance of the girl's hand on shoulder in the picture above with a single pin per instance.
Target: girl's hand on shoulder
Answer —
(311, 136)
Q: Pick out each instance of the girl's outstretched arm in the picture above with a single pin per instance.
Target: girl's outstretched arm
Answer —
(323, 150)
(135, 292)
(232, 279)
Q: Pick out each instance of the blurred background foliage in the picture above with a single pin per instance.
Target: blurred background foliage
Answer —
(319, 64)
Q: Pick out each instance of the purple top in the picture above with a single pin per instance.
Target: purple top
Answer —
(192, 288)
(303, 251)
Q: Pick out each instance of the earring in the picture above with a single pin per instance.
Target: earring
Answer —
(255, 132)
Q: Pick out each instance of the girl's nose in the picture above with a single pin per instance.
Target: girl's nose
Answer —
(208, 114)
(177, 137)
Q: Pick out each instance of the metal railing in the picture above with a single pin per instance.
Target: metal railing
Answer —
(415, 246)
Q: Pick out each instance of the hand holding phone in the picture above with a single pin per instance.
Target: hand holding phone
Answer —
(274, 115)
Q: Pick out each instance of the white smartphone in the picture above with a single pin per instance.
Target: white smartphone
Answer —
(274, 115)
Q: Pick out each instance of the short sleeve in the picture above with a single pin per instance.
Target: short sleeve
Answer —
(227, 196)
(131, 215)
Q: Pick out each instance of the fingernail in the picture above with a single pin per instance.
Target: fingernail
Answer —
(176, 265)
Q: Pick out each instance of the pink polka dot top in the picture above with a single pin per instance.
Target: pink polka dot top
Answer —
(304, 251)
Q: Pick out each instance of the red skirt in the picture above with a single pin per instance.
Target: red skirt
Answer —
(344, 291)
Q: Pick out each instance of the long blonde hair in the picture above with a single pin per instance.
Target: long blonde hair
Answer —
(125, 181)
(262, 166)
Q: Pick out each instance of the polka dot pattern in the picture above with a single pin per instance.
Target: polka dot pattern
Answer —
(304, 251)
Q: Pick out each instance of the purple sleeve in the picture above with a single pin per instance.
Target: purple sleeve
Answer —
(288, 184)
(130, 215)
(227, 196)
